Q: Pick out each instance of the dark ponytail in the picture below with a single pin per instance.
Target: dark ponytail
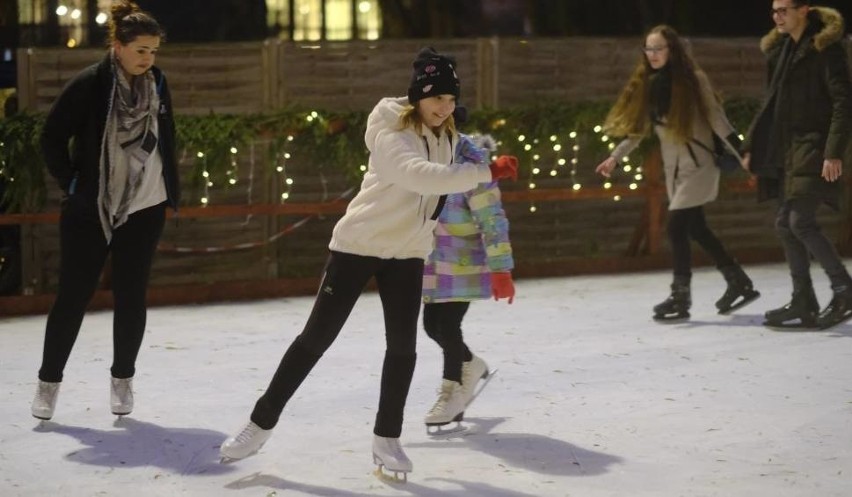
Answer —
(128, 21)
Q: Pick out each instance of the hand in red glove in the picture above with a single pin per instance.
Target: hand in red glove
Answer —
(502, 286)
(506, 166)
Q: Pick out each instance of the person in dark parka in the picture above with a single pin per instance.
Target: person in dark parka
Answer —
(109, 140)
(795, 147)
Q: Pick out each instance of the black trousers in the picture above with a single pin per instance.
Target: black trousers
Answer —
(442, 322)
(801, 237)
(400, 285)
(686, 224)
(83, 252)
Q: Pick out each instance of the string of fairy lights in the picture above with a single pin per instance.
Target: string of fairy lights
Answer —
(551, 157)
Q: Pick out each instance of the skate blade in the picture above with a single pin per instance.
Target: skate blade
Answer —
(679, 318)
(443, 430)
(387, 475)
(484, 380)
(790, 326)
(828, 326)
(746, 300)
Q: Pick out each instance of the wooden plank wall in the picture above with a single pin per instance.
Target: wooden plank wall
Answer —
(256, 77)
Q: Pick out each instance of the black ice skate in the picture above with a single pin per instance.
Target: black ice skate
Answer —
(740, 291)
(839, 310)
(799, 314)
(676, 307)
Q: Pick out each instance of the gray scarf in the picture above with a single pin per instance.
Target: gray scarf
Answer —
(129, 140)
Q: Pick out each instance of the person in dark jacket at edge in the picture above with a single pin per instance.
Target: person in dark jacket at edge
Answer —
(118, 176)
(795, 147)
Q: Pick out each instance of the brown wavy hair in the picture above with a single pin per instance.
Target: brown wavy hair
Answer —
(128, 21)
(630, 116)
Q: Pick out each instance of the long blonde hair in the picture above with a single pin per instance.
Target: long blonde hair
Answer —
(630, 116)
(411, 118)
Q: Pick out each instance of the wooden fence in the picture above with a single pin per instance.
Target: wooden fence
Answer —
(241, 247)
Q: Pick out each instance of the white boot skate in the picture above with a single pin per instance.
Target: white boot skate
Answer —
(121, 396)
(388, 454)
(472, 371)
(448, 408)
(244, 444)
(44, 402)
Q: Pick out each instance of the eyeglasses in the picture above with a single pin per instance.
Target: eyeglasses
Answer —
(782, 11)
(654, 50)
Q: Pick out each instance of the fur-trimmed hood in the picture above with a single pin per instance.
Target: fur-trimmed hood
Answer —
(831, 30)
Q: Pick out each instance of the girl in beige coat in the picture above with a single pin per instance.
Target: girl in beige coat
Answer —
(671, 95)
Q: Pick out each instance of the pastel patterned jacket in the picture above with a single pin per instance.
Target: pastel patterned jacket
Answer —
(471, 239)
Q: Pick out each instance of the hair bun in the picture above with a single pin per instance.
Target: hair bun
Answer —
(122, 9)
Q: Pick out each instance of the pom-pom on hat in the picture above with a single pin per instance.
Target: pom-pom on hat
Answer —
(434, 74)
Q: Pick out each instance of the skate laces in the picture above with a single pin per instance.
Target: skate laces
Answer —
(444, 395)
(248, 433)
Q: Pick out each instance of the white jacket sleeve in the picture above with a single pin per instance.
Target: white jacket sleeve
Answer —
(396, 159)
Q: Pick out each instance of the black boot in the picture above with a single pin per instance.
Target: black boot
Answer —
(802, 310)
(740, 291)
(676, 306)
(838, 310)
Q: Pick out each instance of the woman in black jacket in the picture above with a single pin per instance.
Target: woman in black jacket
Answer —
(109, 142)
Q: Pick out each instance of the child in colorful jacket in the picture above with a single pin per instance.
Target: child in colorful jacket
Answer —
(471, 260)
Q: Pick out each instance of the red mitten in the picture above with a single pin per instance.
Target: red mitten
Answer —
(502, 286)
(506, 166)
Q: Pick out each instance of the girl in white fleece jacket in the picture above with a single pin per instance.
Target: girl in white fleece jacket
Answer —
(385, 234)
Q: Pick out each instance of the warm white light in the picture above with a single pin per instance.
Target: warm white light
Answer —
(598, 129)
(279, 169)
(553, 172)
(633, 186)
(364, 7)
(604, 138)
(101, 18)
(577, 187)
(521, 138)
(628, 168)
(532, 186)
(572, 134)
(532, 208)
(561, 162)
(557, 147)
(61, 10)
(71, 43)
(617, 198)
(75, 14)
(204, 200)
(210, 183)
(638, 177)
(286, 155)
(200, 154)
(536, 157)
(625, 159)
(575, 148)
(607, 185)
(285, 196)
(232, 181)
(205, 174)
(363, 167)
(289, 138)
(536, 170)
(553, 138)
(233, 150)
(289, 181)
(527, 147)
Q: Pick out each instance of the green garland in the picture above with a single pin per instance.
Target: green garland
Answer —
(328, 139)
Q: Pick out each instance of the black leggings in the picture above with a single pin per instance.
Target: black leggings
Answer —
(400, 285)
(442, 322)
(691, 223)
(83, 253)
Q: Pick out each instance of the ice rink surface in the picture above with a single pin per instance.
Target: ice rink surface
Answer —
(592, 399)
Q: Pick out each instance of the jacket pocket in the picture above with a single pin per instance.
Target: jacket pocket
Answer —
(806, 154)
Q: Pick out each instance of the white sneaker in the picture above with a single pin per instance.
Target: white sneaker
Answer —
(449, 406)
(45, 399)
(472, 371)
(388, 452)
(244, 444)
(121, 396)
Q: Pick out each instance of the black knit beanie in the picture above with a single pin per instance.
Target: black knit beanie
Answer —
(434, 74)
